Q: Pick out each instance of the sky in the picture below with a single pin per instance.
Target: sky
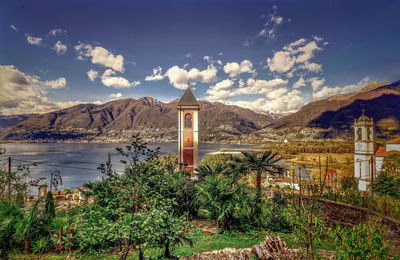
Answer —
(269, 56)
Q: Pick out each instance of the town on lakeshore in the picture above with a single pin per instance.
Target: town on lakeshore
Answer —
(191, 130)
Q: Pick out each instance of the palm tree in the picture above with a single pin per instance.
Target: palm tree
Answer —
(266, 162)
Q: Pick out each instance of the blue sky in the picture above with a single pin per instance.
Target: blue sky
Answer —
(269, 56)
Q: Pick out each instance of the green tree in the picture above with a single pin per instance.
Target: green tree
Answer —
(387, 184)
(10, 215)
(261, 163)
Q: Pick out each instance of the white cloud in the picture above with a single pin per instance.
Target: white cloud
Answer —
(207, 58)
(60, 48)
(180, 78)
(281, 62)
(221, 90)
(157, 75)
(316, 83)
(296, 56)
(289, 102)
(100, 55)
(300, 83)
(54, 32)
(92, 74)
(55, 84)
(234, 69)
(115, 95)
(189, 55)
(116, 82)
(33, 40)
(23, 93)
(273, 21)
(330, 91)
(13, 27)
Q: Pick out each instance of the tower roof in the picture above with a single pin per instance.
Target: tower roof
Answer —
(188, 99)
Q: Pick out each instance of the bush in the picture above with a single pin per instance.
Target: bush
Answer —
(360, 242)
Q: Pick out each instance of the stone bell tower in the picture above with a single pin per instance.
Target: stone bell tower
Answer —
(364, 158)
(188, 131)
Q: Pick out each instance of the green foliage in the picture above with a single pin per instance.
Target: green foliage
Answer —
(305, 227)
(277, 218)
(213, 160)
(387, 184)
(391, 163)
(10, 215)
(360, 242)
(49, 207)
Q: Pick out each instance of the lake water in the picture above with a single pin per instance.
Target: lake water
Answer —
(78, 162)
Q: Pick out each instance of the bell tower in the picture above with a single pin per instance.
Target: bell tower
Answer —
(364, 158)
(188, 131)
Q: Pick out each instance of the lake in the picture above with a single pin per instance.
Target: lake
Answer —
(78, 162)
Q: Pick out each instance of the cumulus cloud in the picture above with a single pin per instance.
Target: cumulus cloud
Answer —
(92, 74)
(234, 69)
(13, 27)
(189, 55)
(157, 75)
(221, 90)
(116, 82)
(316, 83)
(273, 21)
(33, 40)
(60, 48)
(100, 55)
(300, 83)
(23, 93)
(180, 78)
(296, 56)
(54, 32)
(115, 95)
(326, 91)
(290, 102)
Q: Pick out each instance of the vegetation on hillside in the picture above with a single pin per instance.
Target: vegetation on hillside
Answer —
(147, 210)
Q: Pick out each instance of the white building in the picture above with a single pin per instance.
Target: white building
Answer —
(367, 161)
(364, 157)
(392, 146)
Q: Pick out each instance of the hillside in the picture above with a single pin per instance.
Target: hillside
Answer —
(119, 119)
(12, 120)
(336, 114)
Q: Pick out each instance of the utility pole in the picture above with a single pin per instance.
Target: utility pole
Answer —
(9, 178)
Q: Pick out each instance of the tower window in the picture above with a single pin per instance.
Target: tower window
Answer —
(359, 134)
(188, 120)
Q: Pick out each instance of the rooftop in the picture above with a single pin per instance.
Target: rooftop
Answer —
(394, 141)
(188, 99)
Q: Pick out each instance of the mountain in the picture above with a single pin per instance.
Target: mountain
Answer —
(336, 114)
(12, 120)
(119, 119)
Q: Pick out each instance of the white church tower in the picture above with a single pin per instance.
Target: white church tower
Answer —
(364, 158)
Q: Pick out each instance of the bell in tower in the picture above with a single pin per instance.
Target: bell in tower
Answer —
(188, 131)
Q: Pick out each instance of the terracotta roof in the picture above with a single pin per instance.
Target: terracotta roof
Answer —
(381, 152)
(394, 141)
(188, 99)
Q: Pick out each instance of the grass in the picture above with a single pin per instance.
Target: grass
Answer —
(201, 243)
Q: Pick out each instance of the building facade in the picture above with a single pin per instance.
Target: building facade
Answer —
(188, 131)
(364, 156)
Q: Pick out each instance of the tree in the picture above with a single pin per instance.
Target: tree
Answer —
(391, 163)
(387, 184)
(259, 164)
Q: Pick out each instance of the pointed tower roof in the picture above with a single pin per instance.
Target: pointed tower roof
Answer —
(188, 99)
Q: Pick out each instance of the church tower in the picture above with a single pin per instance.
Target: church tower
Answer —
(188, 131)
(364, 158)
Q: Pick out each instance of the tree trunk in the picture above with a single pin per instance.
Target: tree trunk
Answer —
(258, 182)
(27, 246)
(167, 253)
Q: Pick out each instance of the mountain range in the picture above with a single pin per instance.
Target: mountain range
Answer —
(157, 121)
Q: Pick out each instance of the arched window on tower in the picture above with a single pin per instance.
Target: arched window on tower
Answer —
(369, 134)
(359, 134)
(188, 120)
